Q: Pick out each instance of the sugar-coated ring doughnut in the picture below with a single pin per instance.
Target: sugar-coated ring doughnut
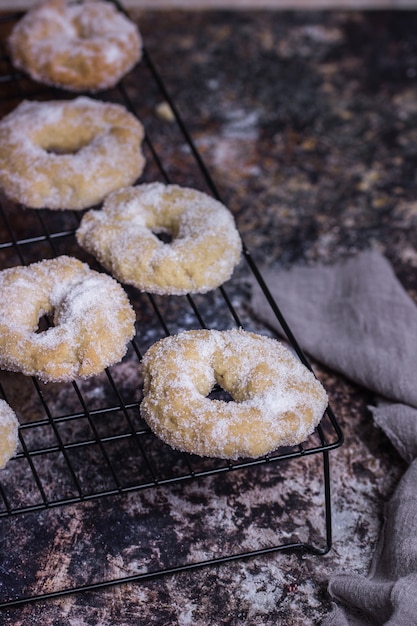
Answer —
(276, 400)
(80, 46)
(126, 236)
(8, 433)
(68, 154)
(90, 315)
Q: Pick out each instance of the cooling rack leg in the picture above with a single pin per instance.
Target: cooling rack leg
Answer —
(327, 501)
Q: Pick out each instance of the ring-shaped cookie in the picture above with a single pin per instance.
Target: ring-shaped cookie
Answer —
(80, 46)
(163, 239)
(8, 433)
(91, 320)
(68, 154)
(276, 400)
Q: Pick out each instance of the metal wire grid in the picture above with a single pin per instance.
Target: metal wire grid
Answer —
(90, 434)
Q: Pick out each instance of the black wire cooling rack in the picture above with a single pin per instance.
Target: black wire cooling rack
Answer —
(85, 442)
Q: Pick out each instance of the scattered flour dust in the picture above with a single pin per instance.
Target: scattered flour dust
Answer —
(262, 591)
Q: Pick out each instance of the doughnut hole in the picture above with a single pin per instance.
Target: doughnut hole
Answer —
(218, 393)
(163, 235)
(79, 29)
(44, 323)
(58, 139)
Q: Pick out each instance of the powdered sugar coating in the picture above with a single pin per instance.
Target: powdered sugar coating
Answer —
(123, 236)
(8, 433)
(277, 401)
(91, 320)
(81, 46)
(68, 154)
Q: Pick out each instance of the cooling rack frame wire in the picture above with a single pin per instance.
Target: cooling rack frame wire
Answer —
(328, 435)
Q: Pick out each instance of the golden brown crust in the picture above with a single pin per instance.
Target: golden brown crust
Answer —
(277, 401)
(8, 433)
(81, 46)
(92, 320)
(68, 154)
(123, 236)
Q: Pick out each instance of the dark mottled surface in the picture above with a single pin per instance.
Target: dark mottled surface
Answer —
(306, 122)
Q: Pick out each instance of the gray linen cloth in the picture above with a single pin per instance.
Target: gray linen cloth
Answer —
(356, 318)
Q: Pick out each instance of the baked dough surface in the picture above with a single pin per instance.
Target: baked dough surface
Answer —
(91, 320)
(8, 433)
(276, 400)
(68, 154)
(80, 46)
(125, 236)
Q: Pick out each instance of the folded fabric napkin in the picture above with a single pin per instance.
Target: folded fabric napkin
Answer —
(351, 316)
(356, 318)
